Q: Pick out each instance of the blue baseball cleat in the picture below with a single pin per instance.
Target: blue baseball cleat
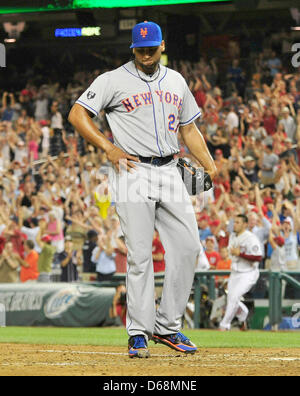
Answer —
(177, 341)
(137, 347)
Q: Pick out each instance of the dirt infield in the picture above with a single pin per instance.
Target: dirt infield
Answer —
(61, 360)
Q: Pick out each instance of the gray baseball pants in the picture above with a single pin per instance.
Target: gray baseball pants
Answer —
(156, 198)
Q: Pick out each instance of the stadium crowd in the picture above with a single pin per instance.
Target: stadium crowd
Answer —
(56, 213)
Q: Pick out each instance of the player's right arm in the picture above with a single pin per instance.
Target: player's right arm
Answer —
(253, 251)
(81, 119)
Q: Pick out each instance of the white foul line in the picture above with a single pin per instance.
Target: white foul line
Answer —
(99, 353)
(285, 358)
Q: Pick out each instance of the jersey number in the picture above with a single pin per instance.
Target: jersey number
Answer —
(172, 119)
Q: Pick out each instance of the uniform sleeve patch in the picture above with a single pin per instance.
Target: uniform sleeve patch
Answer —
(91, 95)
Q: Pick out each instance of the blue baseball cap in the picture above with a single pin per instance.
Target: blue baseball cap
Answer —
(146, 34)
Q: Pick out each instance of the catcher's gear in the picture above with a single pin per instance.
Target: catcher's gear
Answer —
(195, 179)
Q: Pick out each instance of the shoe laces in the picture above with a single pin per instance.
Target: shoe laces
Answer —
(181, 337)
(139, 342)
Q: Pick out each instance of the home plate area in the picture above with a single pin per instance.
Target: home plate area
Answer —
(62, 360)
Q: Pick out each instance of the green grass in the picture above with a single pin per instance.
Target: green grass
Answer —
(118, 337)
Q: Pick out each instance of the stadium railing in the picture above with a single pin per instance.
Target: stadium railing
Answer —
(275, 294)
(208, 278)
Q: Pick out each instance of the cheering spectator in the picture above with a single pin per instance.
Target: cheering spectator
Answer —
(13, 234)
(250, 169)
(199, 89)
(9, 264)
(277, 260)
(25, 99)
(223, 264)
(203, 226)
(8, 106)
(89, 245)
(41, 105)
(274, 64)
(77, 229)
(270, 122)
(44, 125)
(104, 258)
(218, 230)
(54, 229)
(45, 258)
(260, 226)
(118, 242)
(32, 141)
(268, 161)
(251, 148)
(121, 255)
(30, 228)
(289, 124)
(29, 265)
(56, 140)
(69, 260)
(289, 233)
(20, 152)
(211, 127)
(210, 250)
(236, 77)
(231, 120)
(257, 131)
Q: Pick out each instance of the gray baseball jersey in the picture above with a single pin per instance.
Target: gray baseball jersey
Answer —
(144, 116)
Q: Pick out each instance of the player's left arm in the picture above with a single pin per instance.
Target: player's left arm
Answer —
(253, 250)
(195, 142)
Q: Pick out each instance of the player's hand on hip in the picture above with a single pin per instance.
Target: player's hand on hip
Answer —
(121, 160)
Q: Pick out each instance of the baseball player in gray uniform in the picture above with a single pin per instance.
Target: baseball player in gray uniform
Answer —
(146, 106)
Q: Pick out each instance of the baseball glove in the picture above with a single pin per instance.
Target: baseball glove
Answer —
(195, 179)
